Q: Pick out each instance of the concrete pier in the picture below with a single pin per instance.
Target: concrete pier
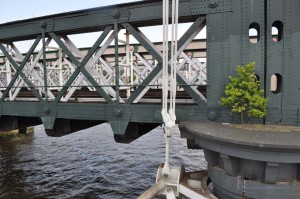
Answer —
(16, 134)
(261, 162)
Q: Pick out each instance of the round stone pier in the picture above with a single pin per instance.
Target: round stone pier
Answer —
(262, 162)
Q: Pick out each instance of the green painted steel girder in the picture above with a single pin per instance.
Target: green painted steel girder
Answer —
(19, 68)
(198, 24)
(81, 65)
(140, 113)
(100, 18)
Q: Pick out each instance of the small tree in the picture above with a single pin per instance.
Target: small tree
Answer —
(243, 96)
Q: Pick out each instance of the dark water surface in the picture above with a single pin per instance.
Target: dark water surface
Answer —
(87, 164)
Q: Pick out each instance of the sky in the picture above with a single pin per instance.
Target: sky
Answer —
(24, 9)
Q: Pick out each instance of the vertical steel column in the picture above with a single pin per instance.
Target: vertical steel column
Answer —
(43, 26)
(117, 72)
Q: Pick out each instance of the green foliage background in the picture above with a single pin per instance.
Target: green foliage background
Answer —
(243, 96)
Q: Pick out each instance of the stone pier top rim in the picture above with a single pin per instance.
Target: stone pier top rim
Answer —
(253, 138)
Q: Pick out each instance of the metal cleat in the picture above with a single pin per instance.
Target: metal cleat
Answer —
(184, 185)
(173, 180)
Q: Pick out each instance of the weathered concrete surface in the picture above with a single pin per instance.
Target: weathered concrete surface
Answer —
(16, 134)
(259, 138)
(260, 163)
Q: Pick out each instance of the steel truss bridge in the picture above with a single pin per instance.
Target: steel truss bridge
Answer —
(67, 89)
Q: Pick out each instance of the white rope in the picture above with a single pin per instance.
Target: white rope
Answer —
(169, 116)
(175, 4)
(165, 60)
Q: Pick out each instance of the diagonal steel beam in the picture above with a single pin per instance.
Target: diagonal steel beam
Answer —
(149, 46)
(183, 42)
(81, 65)
(65, 49)
(190, 34)
(96, 45)
(109, 90)
(148, 66)
(144, 41)
(19, 70)
(147, 88)
(92, 71)
(30, 70)
(144, 84)
(70, 45)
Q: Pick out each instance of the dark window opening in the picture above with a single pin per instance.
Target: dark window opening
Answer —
(277, 31)
(276, 83)
(254, 33)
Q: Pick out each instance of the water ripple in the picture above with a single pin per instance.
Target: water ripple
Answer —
(87, 164)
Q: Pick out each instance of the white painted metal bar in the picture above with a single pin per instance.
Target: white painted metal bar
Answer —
(153, 191)
(89, 65)
(110, 71)
(71, 46)
(146, 89)
(28, 71)
(136, 67)
(190, 193)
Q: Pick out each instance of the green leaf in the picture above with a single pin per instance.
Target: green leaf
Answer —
(242, 94)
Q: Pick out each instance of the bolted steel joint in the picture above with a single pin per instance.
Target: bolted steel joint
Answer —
(115, 13)
(118, 112)
(213, 3)
(46, 110)
(212, 116)
(43, 24)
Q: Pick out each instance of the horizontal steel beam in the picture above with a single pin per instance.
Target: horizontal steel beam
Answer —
(141, 113)
(144, 13)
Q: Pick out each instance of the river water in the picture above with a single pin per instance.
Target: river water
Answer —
(87, 164)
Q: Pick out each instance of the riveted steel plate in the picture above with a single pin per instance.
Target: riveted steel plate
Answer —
(46, 110)
(273, 115)
(49, 25)
(118, 112)
(204, 7)
(196, 114)
(86, 111)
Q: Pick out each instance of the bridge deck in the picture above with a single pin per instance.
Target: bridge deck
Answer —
(87, 96)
